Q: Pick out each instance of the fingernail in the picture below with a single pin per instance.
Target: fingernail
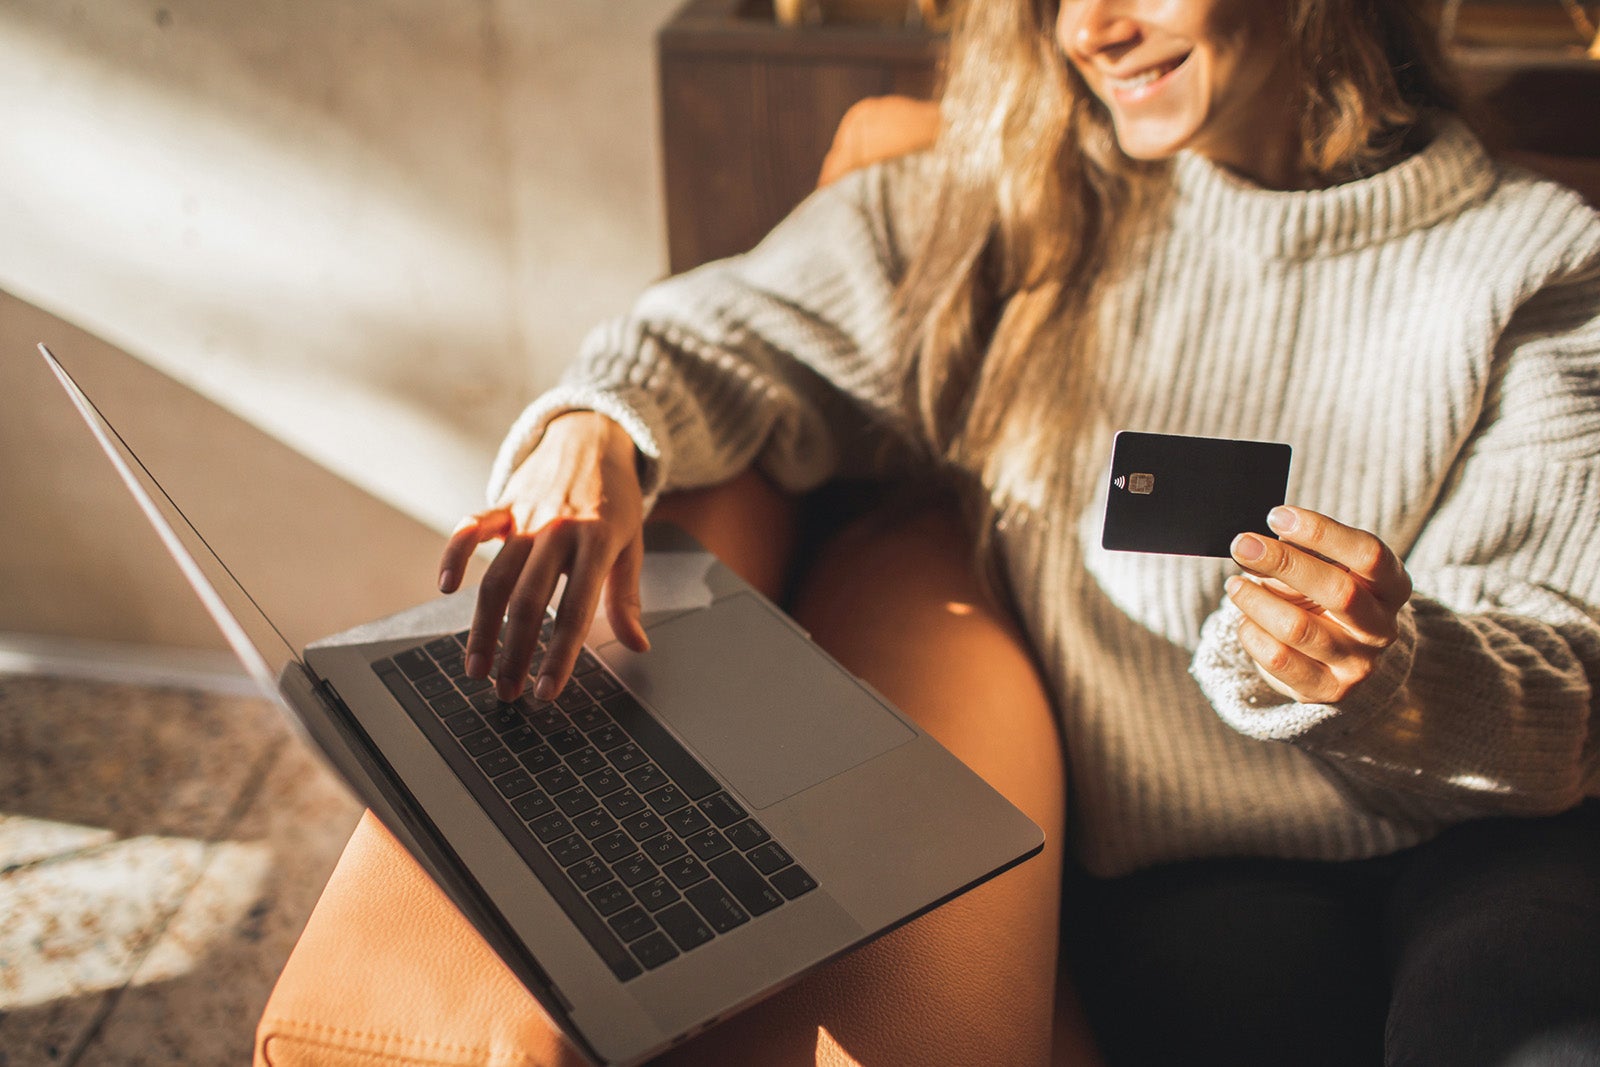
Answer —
(1248, 547)
(1281, 519)
(477, 665)
(545, 688)
(446, 581)
(1233, 585)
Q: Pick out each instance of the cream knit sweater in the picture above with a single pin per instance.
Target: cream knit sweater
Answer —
(1428, 341)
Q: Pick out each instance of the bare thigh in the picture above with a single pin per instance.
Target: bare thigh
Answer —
(973, 981)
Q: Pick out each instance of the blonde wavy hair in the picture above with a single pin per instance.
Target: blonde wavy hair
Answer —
(1038, 210)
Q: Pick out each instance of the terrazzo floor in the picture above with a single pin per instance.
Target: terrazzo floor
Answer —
(160, 850)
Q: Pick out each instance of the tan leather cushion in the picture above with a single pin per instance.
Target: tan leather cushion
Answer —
(388, 971)
(879, 128)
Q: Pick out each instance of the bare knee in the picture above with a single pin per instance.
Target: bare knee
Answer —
(746, 522)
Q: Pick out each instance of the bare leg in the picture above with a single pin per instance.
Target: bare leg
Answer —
(746, 522)
(974, 981)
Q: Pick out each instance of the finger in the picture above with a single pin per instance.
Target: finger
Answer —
(493, 594)
(623, 604)
(1361, 553)
(525, 613)
(1325, 584)
(1291, 673)
(469, 533)
(574, 616)
(1290, 624)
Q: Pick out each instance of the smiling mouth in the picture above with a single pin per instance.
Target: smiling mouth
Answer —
(1140, 85)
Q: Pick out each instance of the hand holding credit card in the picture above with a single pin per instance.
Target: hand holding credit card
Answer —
(1190, 496)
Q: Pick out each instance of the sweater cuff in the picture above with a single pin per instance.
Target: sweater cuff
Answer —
(633, 410)
(1243, 699)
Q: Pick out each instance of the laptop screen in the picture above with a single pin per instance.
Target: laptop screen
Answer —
(258, 643)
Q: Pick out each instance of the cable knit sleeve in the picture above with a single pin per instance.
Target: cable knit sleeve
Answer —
(1487, 702)
(780, 357)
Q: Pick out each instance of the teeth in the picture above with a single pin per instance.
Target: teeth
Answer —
(1138, 80)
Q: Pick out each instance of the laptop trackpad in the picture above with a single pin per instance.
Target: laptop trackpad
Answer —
(758, 701)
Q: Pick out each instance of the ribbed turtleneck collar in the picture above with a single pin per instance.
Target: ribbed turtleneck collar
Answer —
(1412, 194)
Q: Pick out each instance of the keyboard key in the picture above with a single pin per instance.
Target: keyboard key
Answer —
(745, 882)
(769, 858)
(520, 740)
(610, 899)
(589, 873)
(792, 882)
(532, 805)
(569, 850)
(601, 685)
(432, 685)
(722, 809)
(557, 780)
(586, 663)
(667, 799)
(449, 704)
(565, 741)
(514, 784)
(643, 825)
(627, 757)
(685, 871)
(551, 827)
(414, 663)
(634, 869)
(586, 760)
(686, 929)
(719, 909)
(655, 894)
(487, 702)
(632, 924)
(498, 762)
(625, 802)
(746, 835)
(593, 824)
(548, 720)
(707, 843)
(473, 686)
(608, 737)
(572, 699)
(654, 950)
(603, 782)
(454, 667)
(443, 646)
(481, 743)
(590, 719)
(686, 821)
(646, 778)
(464, 722)
(576, 801)
(663, 847)
(539, 760)
(613, 846)
(651, 736)
(504, 719)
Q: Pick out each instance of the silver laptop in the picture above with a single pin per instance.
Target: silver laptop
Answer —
(677, 835)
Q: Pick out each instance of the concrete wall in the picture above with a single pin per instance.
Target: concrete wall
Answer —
(372, 229)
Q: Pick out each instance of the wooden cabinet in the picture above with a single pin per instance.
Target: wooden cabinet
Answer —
(748, 109)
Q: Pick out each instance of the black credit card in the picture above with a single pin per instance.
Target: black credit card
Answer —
(1190, 496)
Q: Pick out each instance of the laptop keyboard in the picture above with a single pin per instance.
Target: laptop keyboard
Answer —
(631, 835)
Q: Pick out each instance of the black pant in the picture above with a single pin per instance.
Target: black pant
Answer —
(1479, 947)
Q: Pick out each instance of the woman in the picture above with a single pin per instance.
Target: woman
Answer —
(1300, 778)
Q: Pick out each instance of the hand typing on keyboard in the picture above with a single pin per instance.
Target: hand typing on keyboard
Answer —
(573, 507)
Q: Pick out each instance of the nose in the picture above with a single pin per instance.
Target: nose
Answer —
(1089, 27)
